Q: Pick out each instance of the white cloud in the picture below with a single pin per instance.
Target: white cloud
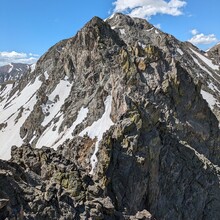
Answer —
(32, 54)
(148, 8)
(15, 57)
(203, 39)
(194, 32)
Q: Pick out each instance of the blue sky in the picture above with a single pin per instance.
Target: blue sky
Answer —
(30, 27)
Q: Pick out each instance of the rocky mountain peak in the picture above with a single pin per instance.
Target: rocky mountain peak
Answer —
(119, 19)
(123, 118)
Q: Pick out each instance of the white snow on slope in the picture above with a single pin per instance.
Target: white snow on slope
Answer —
(211, 100)
(33, 66)
(122, 31)
(52, 138)
(150, 29)
(55, 100)
(5, 92)
(205, 60)
(213, 87)
(112, 16)
(180, 51)
(204, 68)
(50, 135)
(11, 68)
(67, 134)
(9, 135)
(98, 128)
(18, 100)
(46, 75)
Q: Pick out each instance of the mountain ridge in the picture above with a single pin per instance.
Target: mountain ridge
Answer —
(159, 152)
(13, 72)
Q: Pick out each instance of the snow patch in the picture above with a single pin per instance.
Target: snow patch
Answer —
(213, 87)
(52, 138)
(113, 27)
(180, 51)
(5, 92)
(11, 67)
(150, 29)
(207, 61)
(10, 134)
(111, 16)
(55, 100)
(98, 128)
(46, 75)
(211, 100)
(33, 66)
(122, 31)
(204, 68)
(67, 134)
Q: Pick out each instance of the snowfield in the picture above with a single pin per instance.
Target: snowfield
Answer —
(19, 106)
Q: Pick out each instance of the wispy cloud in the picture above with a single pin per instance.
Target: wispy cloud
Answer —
(194, 32)
(16, 57)
(200, 38)
(148, 8)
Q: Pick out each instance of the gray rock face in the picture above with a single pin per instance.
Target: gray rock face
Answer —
(133, 116)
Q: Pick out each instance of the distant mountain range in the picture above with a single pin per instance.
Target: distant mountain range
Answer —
(13, 72)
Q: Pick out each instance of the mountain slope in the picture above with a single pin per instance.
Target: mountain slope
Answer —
(214, 53)
(132, 107)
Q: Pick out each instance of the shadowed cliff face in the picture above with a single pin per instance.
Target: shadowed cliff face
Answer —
(132, 115)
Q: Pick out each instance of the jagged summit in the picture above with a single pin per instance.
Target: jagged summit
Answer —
(117, 122)
(120, 19)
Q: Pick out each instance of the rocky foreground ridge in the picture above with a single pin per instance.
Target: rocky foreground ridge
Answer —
(119, 122)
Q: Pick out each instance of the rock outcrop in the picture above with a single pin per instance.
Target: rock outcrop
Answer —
(120, 122)
(42, 184)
